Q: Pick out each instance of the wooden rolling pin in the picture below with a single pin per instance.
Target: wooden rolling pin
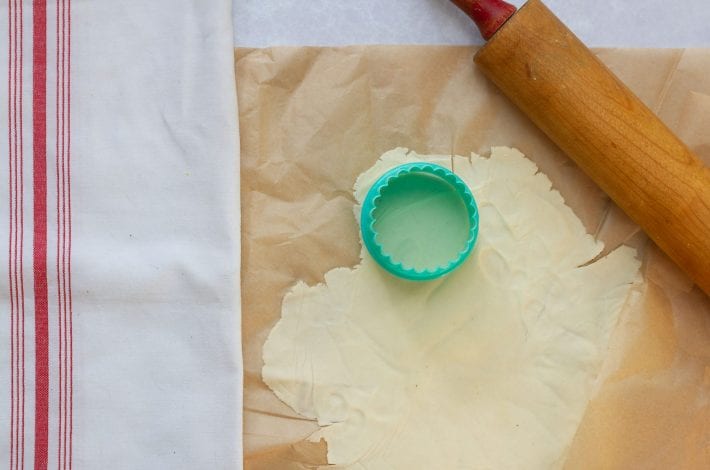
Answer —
(596, 120)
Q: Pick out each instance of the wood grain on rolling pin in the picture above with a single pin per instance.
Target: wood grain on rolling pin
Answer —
(594, 118)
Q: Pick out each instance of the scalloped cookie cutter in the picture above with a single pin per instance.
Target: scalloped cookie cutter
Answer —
(419, 221)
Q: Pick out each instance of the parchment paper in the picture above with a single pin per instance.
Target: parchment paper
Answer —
(312, 119)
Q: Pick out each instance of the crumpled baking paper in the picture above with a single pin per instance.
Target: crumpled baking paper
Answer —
(312, 119)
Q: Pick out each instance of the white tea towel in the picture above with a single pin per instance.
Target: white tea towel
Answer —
(119, 236)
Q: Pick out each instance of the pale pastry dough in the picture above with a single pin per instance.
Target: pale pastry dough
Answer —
(488, 368)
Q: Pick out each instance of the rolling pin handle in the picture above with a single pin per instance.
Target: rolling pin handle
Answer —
(489, 15)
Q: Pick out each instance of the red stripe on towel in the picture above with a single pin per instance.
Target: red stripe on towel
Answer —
(39, 255)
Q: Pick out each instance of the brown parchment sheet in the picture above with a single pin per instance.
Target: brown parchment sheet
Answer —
(312, 119)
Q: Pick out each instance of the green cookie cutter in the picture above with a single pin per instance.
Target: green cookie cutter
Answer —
(419, 221)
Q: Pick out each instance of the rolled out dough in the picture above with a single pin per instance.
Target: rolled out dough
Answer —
(489, 368)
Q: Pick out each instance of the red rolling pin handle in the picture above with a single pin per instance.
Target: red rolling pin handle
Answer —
(489, 15)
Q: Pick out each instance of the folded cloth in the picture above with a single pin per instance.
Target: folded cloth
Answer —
(119, 236)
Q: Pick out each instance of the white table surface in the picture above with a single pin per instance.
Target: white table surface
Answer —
(610, 23)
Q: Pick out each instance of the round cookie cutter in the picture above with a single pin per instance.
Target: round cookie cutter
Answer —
(419, 221)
